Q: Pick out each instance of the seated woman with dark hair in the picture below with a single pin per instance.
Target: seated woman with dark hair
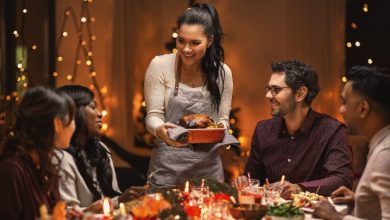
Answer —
(87, 171)
(28, 178)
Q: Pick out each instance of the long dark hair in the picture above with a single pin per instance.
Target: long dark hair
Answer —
(211, 64)
(92, 155)
(34, 131)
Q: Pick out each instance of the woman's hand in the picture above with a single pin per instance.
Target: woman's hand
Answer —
(96, 207)
(162, 133)
(132, 192)
(343, 195)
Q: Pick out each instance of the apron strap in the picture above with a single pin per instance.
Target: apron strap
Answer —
(177, 74)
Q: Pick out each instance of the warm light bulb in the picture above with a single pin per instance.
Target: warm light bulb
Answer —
(18, 79)
(16, 33)
(21, 69)
(232, 121)
(175, 35)
(34, 47)
(67, 12)
(23, 77)
(83, 42)
(25, 85)
(174, 50)
(357, 44)
(69, 77)
(88, 62)
(365, 7)
(104, 90)
(92, 19)
(344, 79)
(25, 11)
(230, 131)
(349, 44)
(59, 58)
(65, 34)
(93, 37)
(104, 113)
(143, 104)
(55, 74)
(20, 65)
(91, 87)
(8, 97)
(78, 62)
(354, 25)
(93, 74)
(83, 19)
(370, 61)
(228, 147)
(242, 140)
(104, 126)
(90, 53)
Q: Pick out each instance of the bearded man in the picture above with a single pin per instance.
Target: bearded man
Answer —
(307, 147)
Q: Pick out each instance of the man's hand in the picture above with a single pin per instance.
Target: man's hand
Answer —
(343, 195)
(324, 210)
(288, 189)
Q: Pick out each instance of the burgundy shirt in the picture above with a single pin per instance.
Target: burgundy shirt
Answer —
(20, 194)
(316, 155)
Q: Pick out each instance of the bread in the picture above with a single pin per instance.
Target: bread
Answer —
(196, 121)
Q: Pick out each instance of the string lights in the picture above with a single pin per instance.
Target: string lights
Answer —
(23, 50)
(84, 51)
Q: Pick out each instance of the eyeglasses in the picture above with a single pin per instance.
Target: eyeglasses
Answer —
(274, 89)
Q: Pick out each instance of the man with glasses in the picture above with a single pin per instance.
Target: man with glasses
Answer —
(309, 148)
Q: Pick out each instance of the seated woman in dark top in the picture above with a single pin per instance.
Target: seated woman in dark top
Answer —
(28, 179)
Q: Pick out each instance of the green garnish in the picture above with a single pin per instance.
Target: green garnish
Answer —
(284, 210)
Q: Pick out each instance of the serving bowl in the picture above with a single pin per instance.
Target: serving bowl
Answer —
(248, 211)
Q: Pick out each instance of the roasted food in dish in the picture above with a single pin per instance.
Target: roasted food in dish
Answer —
(196, 121)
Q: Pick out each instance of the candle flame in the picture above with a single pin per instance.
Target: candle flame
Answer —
(187, 187)
(106, 207)
(122, 209)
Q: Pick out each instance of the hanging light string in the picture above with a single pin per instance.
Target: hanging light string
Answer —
(84, 47)
(22, 75)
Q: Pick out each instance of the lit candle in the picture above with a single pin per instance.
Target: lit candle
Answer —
(122, 209)
(43, 212)
(186, 192)
(106, 209)
(202, 185)
(157, 197)
(187, 188)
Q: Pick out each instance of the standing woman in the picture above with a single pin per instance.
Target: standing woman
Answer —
(87, 171)
(194, 80)
(28, 179)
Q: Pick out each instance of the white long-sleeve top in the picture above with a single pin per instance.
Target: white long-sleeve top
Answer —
(160, 83)
(73, 189)
(372, 198)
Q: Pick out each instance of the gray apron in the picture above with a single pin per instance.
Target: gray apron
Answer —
(171, 166)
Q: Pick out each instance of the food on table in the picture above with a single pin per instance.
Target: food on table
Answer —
(196, 121)
(150, 206)
(287, 210)
(305, 199)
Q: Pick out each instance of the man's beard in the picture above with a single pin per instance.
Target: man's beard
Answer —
(285, 108)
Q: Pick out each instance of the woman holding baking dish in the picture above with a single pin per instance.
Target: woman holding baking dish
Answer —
(194, 80)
